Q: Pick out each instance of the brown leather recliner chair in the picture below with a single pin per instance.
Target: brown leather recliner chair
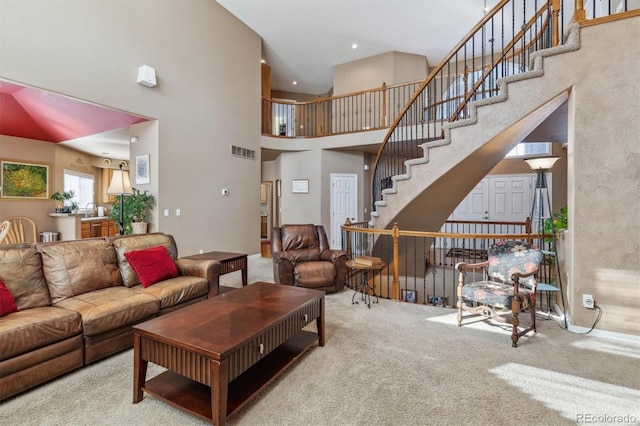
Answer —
(302, 257)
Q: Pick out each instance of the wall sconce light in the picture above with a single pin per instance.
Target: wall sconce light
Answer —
(147, 76)
(134, 139)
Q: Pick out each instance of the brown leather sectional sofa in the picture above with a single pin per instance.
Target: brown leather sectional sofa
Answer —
(78, 300)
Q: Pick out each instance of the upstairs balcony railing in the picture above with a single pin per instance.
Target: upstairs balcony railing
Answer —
(354, 112)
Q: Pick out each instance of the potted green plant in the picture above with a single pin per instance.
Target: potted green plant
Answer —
(64, 201)
(558, 223)
(136, 209)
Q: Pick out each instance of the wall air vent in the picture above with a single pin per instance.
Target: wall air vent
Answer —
(238, 151)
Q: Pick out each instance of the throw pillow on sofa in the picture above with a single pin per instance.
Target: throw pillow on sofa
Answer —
(7, 302)
(152, 265)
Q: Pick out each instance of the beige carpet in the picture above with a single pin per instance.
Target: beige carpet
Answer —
(393, 364)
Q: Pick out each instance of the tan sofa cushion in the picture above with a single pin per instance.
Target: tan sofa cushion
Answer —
(109, 308)
(76, 267)
(21, 271)
(177, 290)
(128, 243)
(34, 328)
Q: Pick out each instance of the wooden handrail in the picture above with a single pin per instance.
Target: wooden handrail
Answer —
(395, 233)
(435, 72)
(488, 70)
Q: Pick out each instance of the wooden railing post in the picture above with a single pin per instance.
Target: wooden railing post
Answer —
(580, 13)
(395, 285)
(319, 116)
(384, 105)
(555, 10)
(349, 254)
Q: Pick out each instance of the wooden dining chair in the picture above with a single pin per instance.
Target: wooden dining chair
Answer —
(4, 230)
(22, 230)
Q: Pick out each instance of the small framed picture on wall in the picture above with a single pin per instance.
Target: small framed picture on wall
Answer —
(142, 169)
(300, 186)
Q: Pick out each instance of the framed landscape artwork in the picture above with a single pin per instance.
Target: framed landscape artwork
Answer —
(22, 180)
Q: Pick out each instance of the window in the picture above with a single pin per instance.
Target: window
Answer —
(530, 149)
(82, 185)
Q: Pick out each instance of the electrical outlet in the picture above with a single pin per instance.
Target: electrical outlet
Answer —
(587, 301)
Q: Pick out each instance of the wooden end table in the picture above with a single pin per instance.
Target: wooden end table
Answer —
(364, 286)
(231, 262)
(221, 352)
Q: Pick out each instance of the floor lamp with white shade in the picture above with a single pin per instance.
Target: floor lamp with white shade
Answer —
(541, 212)
(120, 185)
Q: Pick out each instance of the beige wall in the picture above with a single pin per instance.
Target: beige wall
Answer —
(301, 208)
(368, 73)
(603, 165)
(208, 97)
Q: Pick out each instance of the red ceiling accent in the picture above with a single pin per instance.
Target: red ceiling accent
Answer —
(31, 113)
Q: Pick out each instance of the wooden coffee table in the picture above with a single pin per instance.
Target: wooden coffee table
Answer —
(231, 262)
(222, 351)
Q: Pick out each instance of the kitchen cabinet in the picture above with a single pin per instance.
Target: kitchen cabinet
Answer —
(109, 228)
(263, 226)
(263, 193)
(98, 228)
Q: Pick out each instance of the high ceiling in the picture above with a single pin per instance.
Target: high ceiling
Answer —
(32, 113)
(304, 39)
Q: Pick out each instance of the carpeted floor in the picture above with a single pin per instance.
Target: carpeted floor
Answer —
(393, 364)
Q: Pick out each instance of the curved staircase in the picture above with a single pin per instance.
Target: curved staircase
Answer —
(423, 197)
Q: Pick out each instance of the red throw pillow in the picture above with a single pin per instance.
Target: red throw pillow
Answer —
(152, 265)
(7, 302)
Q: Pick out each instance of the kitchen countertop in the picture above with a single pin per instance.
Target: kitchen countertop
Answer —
(82, 217)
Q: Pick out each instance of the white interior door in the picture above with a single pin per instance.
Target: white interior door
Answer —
(500, 198)
(509, 198)
(475, 206)
(344, 204)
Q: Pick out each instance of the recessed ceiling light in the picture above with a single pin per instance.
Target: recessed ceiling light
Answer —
(354, 46)
(295, 83)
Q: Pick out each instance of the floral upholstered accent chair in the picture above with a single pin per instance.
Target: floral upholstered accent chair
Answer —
(507, 287)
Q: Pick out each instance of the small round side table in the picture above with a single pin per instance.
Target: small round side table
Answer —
(364, 287)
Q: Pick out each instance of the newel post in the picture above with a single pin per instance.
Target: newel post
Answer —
(348, 223)
(395, 286)
(580, 13)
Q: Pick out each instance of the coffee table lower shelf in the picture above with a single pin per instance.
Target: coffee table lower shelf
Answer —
(195, 398)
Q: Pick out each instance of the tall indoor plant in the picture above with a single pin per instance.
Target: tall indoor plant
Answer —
(136, 210)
